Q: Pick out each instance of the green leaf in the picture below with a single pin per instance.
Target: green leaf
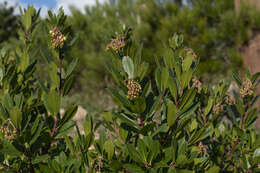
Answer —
(88, 124)
(256, 153)
(35, 124)
(214, 169)
(65, 129)
(115, 73)
(240, 106)
(139, 105)
(128, 66)
(69, 144)
(109, 148)
(177, 67)
(52, 102)
(165, 77)
(16, 116)
(188, 110)
(43, 158)
(71, 67)
(123, 134)
(209, 106)
(187, 62)
(1, 74)
(43, 87)
(158, 79)
(255, 77)
(9, 149)
(187, 98)
(142, 149)
(121, 99)
(30, 69)
(36, 134)
(173, 88)
(45, 55)
(169, 58)
(251, 117)
(68, 85)
(89, 139)
(198, 136)
(193, 125)
(172, 170)
(108, 116)
(18, 99)
(3, 113)
(134, 154)
(171, 113)
(185, 78)
(27, 19)
(24, 62)
(69, 114)
(139, 54)
(237, 79)
(53, 73)
(154, 147)
(184, 171)
(133, 168)
(142, 70)
(126, 119)
(8, 102)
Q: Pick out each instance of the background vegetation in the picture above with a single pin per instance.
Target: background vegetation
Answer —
(211, 28)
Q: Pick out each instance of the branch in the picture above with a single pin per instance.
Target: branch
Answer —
(60, 68)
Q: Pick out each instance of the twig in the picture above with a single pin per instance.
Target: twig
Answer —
(244, 118)
(166, 136)
(230, 152)
(141, 122)
(204, 119)
(60, 68)
(54, 127)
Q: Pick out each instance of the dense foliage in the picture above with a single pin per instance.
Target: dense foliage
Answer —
(211, 28)
(165, 122)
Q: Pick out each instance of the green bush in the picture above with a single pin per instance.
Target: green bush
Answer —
(165, 122)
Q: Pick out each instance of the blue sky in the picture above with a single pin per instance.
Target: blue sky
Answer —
(52, 4)
(48, 3)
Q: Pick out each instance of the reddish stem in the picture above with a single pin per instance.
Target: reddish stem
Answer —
(166, 135)
(141, 122)
(54, 127)
(244, 118)
(231, 150)
(60, 66)
(204, 119)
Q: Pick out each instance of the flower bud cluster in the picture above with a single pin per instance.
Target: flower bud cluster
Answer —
(197, 84)
(230, 100)
(116, 44)
(246, 88)
(202, 148)
(134, 89)
(189, 51)
(218, 108)
(8, 129)
(58, 38)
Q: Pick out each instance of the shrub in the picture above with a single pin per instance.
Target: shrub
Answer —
(32, 130)
(167, 122)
